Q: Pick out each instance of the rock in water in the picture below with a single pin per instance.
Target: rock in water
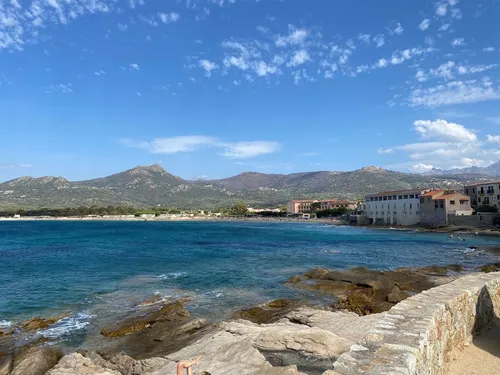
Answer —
(171, 312)
(76, 364)
(36, 324)
(35, 360)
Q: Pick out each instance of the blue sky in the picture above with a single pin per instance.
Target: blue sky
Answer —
(211, 88)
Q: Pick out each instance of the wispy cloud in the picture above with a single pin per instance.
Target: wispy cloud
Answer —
(169, 17)
(134, 67)
(458, 42)
(208, 66)
(495, 120)
(174, 145)
(424, 25)
(14, 166)
(63, 88)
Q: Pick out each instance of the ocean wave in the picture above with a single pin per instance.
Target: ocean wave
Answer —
(5, 324)
(171, 275)
(67, 325)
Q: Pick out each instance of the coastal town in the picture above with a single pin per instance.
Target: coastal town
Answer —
(475, 205)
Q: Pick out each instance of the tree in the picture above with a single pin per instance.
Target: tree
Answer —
(238, 209)
(315, 206)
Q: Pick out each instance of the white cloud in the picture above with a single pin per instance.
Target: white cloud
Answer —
(262, 69)
(122, 27)
(444, 27)
(299, 57)
(365, 38)
(443, 130)
(489, 49)
(246, 150)
(134, 66)
(379, 40)
(208, 66)
(455, 92)
(385, 151)
(169, 17)
(14, 166)
(174, 145)
(421, 168)
(494, 138)
(458, 42)
(294, 37)
(396, 28)
(424, 25)
(446, 145)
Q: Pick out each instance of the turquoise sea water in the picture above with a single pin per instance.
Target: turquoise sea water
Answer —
(99, 270)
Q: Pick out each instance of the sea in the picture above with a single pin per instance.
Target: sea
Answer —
(96, 272)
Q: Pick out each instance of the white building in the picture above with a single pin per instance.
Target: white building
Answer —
(400, 207)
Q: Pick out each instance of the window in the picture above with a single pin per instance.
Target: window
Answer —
(411, 206)
(466, 191)
(441, 204)
(412, 196)
(435, 204)
(421, 200)
(473, 191)
(400, 197)
(463, 202)
(394, 197)
(479, 199)
(405, 197)
(389, 197)
(417, 196)
(452, 203)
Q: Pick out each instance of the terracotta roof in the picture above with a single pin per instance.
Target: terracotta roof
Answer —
(432, 193)
(396, 192)
(484, 183)
(323, 201)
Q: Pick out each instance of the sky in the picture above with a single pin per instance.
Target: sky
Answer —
(212, 88)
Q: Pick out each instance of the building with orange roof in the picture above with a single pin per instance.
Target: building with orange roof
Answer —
(484, 194)
(437, 205)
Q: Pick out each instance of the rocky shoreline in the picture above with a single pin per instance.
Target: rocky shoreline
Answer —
(280, 337)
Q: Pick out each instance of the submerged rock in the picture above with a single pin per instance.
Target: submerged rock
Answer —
(365, 291)
(269, 313)
(487, 268)
(171, 312)
(37, 323)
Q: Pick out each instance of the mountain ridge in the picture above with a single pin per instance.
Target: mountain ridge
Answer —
(147, 186)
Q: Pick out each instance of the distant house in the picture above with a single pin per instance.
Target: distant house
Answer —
(484, 194)
(17, 216)
(310, 205)
(398, 207)
(437, 205)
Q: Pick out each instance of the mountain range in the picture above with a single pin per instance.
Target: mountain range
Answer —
(492, 171)
(147, 186)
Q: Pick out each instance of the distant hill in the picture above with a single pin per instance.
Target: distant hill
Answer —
(479, 172)
(146, 186)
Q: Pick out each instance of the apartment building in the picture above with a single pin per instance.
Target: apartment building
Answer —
(484, 194)
(437, 205)
(310, 205)
(399, 207)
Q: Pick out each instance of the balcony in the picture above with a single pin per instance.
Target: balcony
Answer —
(490, 192)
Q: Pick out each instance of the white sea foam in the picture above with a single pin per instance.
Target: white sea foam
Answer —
(67, 325)
(213, 294)
(5, 324)
(171, 275)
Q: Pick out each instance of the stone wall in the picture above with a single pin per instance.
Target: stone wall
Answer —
(417, 335)
(475, 221)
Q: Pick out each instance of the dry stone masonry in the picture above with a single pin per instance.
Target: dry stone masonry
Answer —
(417, 336)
